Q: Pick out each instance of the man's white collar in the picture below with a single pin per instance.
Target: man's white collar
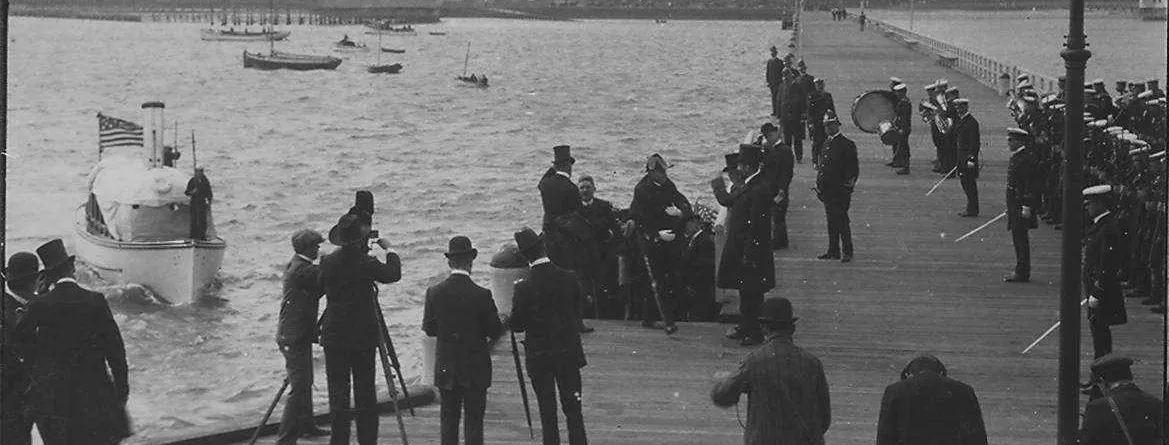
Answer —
(63, 280)
(303, 257)
(564, 174)
(460, 272)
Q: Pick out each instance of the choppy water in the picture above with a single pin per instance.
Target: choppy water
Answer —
(1122, 46)
(286, 150)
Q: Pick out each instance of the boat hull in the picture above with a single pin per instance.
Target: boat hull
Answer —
(387, 32)
(220, 36)
(393, 50)
(384, 69)
(178, 271)
(298, 62)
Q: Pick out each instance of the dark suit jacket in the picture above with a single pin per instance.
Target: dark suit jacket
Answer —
(1101, 270)
(559, 195)
(904, 111)
(463, 317)
(819, 103)
(967, 135)
(779, 167)
(12, 372)
(299, 303)
(747, 263)
(566, 235)
(1142, 413)
(1022, 189)
(795, 102)
(774, 72)
(930, 409)
(348, 277)
(648, 208)
(71, 337)
(546, 307)
(838, 167)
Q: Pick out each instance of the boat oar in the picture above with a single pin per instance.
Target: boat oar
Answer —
(967, 235)
(944, 178)
(1048, 332)
(272, 407)
(519, 372)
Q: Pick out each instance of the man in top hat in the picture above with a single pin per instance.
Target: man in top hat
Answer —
(1101, 269)
(199, 189)
(835, 182)
(21, 278)
(69, 337)
(787, 392)
(820, 104)
(778, 168)
(926, 406)
(968, 146)
(567, 235)
(350, 327)
(659, 212)
(904, 123)
(747, 263)
(1123, 414)
(600, 278)
(543, 309)
(795, 105)
(775, 68)
(1022, 200)
(462, 315)
(296, 333)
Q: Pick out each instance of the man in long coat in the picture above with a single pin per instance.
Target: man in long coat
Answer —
(1022, 200)
(601, 282)
(795, 107)
(199, 189)
(296, 332)
(966, 135)
(15, 423)
(835, 182)
(778, 168)
(1101, 271)
(543, 309)
(70, 337)
(462, 315)
(927, 407)
(787, 392)
(820, 103)
(568, 236)
(747, 263)
(775, 80)
(660, 212)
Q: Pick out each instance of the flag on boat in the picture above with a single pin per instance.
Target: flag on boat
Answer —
(114, 132)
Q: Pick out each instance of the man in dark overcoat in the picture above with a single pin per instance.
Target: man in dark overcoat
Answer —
(778, 168)
(21, 277)
(69, 337)
(787, 392)
(904, 123)
(835, 182)
(1101, 269)
(820, 103)
(1022, 200)
(659, 211)
(199, 189)
(1142, 413)
(775, 69)
(568, 236)
(543, 310)
(795, 107)
(747, 263)
(966, 136)
(926, 406)
(462, 315)
(602, 271)
(296, 333)
(350, 327)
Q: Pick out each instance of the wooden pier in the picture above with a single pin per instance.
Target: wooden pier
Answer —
(911, 289)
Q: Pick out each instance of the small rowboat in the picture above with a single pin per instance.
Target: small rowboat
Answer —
(473, 80)
(392, 50)
(384, 69)
(300, 62)
(242, 36)
(352, 48)
(437, 33)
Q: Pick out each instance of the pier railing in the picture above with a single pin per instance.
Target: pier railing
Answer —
(992, 73)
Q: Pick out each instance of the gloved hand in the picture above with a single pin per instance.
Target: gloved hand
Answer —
(673, 211)
(971, 165)
(1026, 211)
(1093, 302)
(666, 235)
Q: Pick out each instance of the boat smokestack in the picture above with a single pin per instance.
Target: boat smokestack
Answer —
(153, 126)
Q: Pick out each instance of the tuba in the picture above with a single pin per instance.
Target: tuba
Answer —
(873, 112)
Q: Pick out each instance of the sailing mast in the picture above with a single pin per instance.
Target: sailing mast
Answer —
(466, 59)
(272, 29)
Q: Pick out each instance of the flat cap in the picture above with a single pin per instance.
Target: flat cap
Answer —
(1023, 76)
(304, 238)
(943, 82)
(1145, 94)
(1098, 190)
(1098, 82)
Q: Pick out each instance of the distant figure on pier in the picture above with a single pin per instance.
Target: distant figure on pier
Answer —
(820, 103)
(567, 235)
(15, 422)
(862, 19)
(1022, 199)
(774, 79)
(968, 146)
(787, 392)
(1119, 398)
(835, 182)
(926, 406)
(296, 333)
(170, 155)
(199, 189)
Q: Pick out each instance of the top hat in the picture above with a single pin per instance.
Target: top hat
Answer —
(53, 254)
(774, 49)
(562, 154)
(349, 230)
(22, 266)
(527, 240)
(1110, 364)
(362, 215)
(460, 246)
(1097, 191)
(732, 160)
(305, 238)
(750, 154)
(777, 311)
(818, 81)
(364, 201)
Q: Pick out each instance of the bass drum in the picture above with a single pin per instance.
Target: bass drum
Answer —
(870, 109)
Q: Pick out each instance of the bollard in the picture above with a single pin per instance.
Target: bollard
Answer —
(1004, 84)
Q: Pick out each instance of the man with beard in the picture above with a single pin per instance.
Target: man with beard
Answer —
(567, 235)
(659, 212)
(21, 277)
(966, 137)
(747, 263)
(834, 185)
(601, 277)
(296, 333)
(820, 103)
(70, 337)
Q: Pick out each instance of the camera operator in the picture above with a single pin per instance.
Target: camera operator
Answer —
(350, 325)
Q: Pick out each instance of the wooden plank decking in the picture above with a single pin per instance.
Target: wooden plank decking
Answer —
(911, 289)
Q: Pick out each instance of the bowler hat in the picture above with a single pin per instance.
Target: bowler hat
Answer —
(306, 238)
(460, 246)
(528, 241)
(349, 230)
(732, 160)
(750, 154)
(562, 154)
(53, 254)
(22, 266)
(777, 311)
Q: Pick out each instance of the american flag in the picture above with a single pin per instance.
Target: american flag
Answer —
(114, 132)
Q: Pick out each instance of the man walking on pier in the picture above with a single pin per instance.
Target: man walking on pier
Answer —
(296, 334)
(966, 136)
(1021, 201)
(834, 185)
(774, 79)
(544, 309)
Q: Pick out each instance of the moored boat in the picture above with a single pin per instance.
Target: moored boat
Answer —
(279, 60)
(387, 28)
(393, 68)
(479, 81)
(242, 36)
(393, 50)
(437, 33)
(354, 48)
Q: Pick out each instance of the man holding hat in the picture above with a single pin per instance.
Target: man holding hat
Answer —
(1101, 269)
(820, 103)
(1124, 414)
(296, 333)
(20, 277)
(350, 327)
(968, 145)
(567, 235)
(543, 309)
(463, 316)
(774, 79)
(747, 263)
(927, 407)
(1022, 200)
(69, 337)
(904, 111)
(787, 392)
(835, 182)
(659, 212)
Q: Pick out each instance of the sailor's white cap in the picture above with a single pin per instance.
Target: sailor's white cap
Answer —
(1098, 190)
(896, 80)
(1022, 77)
(943, 82)
(1098, 82)
(899, 87)
(1114, 129)
(1145, 94)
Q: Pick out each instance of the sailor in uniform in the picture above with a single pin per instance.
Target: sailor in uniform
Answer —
(966, 137)
(1101, 269)
(835, 182)
(1021, 201)
(904, 111)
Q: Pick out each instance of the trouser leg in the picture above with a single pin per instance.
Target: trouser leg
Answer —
(475, 407)
(1021, 240)
(661, 261)
(568, 382)
(337, 368)
(449, 413)
(544, 385)
(750, 303)
(774, 101)
(365, 395)
(1101, 335)
(844, 225)
(833, 230)
(779, 224)
(901, 151)
(298, 407)
(970, 187)
(818, 137)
